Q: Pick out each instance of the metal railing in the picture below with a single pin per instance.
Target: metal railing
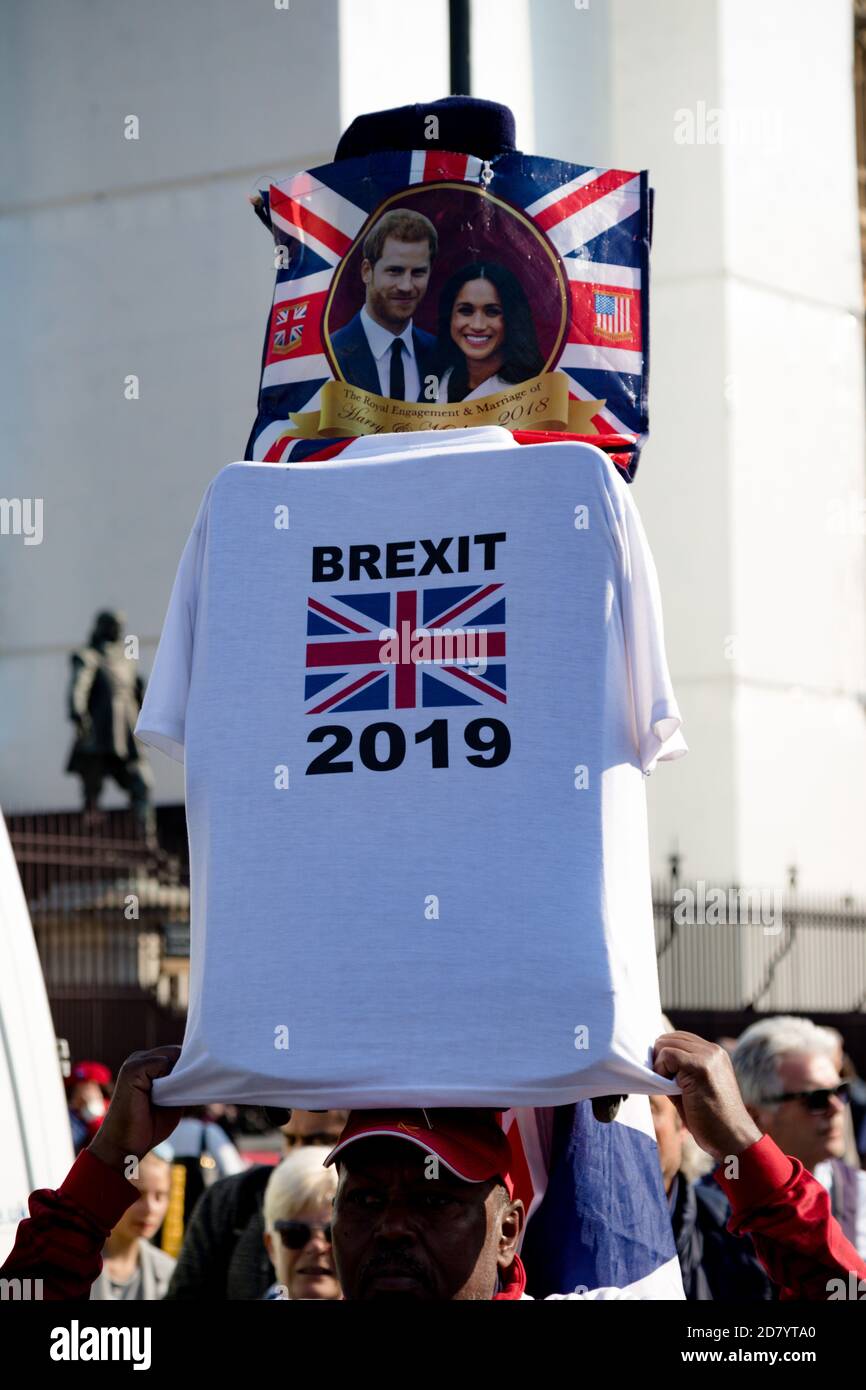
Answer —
(800, 954)
(107, 911)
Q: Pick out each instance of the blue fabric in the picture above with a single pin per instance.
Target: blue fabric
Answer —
(604, 1220)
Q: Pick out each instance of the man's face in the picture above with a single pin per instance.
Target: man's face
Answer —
(312, 1127)
(800, 1132)
(397, 282)
(400, 1234)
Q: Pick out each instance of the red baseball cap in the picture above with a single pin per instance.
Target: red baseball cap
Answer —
(471, 1143)
(90, 1071)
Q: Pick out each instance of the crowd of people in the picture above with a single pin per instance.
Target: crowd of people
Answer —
(349, 1211)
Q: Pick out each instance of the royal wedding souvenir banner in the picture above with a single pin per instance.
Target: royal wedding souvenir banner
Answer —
(425, 290)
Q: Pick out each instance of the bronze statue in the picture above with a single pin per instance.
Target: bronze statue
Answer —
(105, 695)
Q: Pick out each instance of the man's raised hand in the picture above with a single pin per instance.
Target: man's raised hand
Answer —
(133, 1124)
(710, 1104)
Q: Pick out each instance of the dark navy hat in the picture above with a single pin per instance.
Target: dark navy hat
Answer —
(467, 125)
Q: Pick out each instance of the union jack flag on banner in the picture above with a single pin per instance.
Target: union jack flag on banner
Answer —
(556, 253)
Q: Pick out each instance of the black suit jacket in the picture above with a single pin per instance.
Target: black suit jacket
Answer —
(357, 363)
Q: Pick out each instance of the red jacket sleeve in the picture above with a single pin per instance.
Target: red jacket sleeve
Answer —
(61, 1241)
(787, 1213)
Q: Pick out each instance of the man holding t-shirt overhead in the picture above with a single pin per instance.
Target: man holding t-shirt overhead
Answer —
(424, 1210)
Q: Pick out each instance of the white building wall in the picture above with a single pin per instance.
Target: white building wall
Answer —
(796, 445)
(131, 257)
(392, 53)
(752, 485)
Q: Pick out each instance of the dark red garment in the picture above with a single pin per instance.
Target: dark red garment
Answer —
(61, 1241)
(513, 1280)
(336, 446)
(783, 1208)
(787, 1213)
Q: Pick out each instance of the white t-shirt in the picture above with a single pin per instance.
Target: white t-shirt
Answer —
(824, 1173)
(417, 882)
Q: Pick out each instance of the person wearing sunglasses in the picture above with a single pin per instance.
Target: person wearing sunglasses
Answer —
(379, 1190)
(297, 1215)
(223, 1255)
(787, 1072)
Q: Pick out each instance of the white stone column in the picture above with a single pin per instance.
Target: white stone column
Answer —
(752, 485)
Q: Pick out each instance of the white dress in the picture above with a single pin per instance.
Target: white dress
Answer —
(487, 388)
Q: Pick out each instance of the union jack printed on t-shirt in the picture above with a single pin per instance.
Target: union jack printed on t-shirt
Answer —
(353, 663)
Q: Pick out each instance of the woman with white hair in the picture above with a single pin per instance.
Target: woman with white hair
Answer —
(297, 1216)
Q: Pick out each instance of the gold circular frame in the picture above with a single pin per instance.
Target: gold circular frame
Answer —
(516, 212)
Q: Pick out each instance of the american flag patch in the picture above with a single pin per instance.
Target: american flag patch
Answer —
(612, 315)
